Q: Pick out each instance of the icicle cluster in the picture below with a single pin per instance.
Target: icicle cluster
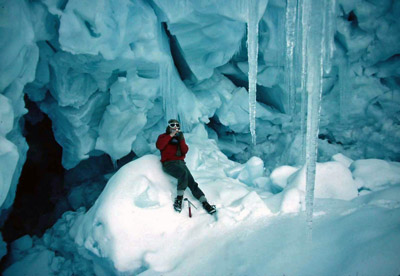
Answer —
(252, 46)
(310, 28)
(303, 15)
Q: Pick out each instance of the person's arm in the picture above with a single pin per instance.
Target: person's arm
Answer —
(183, 145)
(163, 141)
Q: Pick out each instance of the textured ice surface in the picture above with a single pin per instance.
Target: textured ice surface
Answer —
(98, 43)
(209, 33)
(19, 55)
(109, 28)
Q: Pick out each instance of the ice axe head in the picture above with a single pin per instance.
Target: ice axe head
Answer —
(190, 203)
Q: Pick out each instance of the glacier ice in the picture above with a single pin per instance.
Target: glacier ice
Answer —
(8, 158)
(129, 101)
(197, 26)
(102, 71)
(109, 28)
(344, 87)
(19, 56)
(94, 66)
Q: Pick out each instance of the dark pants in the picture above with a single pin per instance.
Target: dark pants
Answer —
(178, 169)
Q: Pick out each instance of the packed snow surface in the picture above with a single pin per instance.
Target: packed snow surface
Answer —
(106, 73)
(132, 228)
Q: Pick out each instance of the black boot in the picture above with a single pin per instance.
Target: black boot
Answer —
(209, 208)
(178, 204)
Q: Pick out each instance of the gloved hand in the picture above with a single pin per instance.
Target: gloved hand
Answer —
(179, 135)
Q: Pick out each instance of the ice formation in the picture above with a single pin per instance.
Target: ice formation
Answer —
(109, 74)
(252, 49)
(291, 31)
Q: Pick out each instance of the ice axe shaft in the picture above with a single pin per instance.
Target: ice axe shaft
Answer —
(189, 205)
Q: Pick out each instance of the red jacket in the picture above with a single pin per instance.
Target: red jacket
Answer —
(168, 150)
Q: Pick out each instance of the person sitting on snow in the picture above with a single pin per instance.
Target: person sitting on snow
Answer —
(173, 150)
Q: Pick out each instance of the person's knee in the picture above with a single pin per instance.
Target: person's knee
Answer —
(181, 174)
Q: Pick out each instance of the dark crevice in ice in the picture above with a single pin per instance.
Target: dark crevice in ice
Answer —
(178, 56)
(51, 46)
(40, 188)
(329, 138)
(353, 19)
(46, 190)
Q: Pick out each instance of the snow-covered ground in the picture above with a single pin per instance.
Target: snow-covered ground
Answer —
(259, 229)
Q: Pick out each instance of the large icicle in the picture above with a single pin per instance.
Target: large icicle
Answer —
(290, 26)
(168, 87)
(167, 92)
(315, 68)
(252, 49)
(330, 29)
(304, 8)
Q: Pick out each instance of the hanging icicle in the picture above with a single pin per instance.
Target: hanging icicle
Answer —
(330, 29)
(166, 69)
(290, 27)
(316, 39)
(167, 92)
(252, 49)
(304, 14)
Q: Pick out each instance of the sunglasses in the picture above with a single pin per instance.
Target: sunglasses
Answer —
(174, 125)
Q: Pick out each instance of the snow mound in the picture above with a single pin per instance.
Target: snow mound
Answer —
(333, 180)
(134, 225)
(342, 159)
(253, 169)
(375, 174)
(280, 175)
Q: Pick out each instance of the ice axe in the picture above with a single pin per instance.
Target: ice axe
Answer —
(189, 205)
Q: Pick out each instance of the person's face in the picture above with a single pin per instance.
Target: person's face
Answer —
(174, 125)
